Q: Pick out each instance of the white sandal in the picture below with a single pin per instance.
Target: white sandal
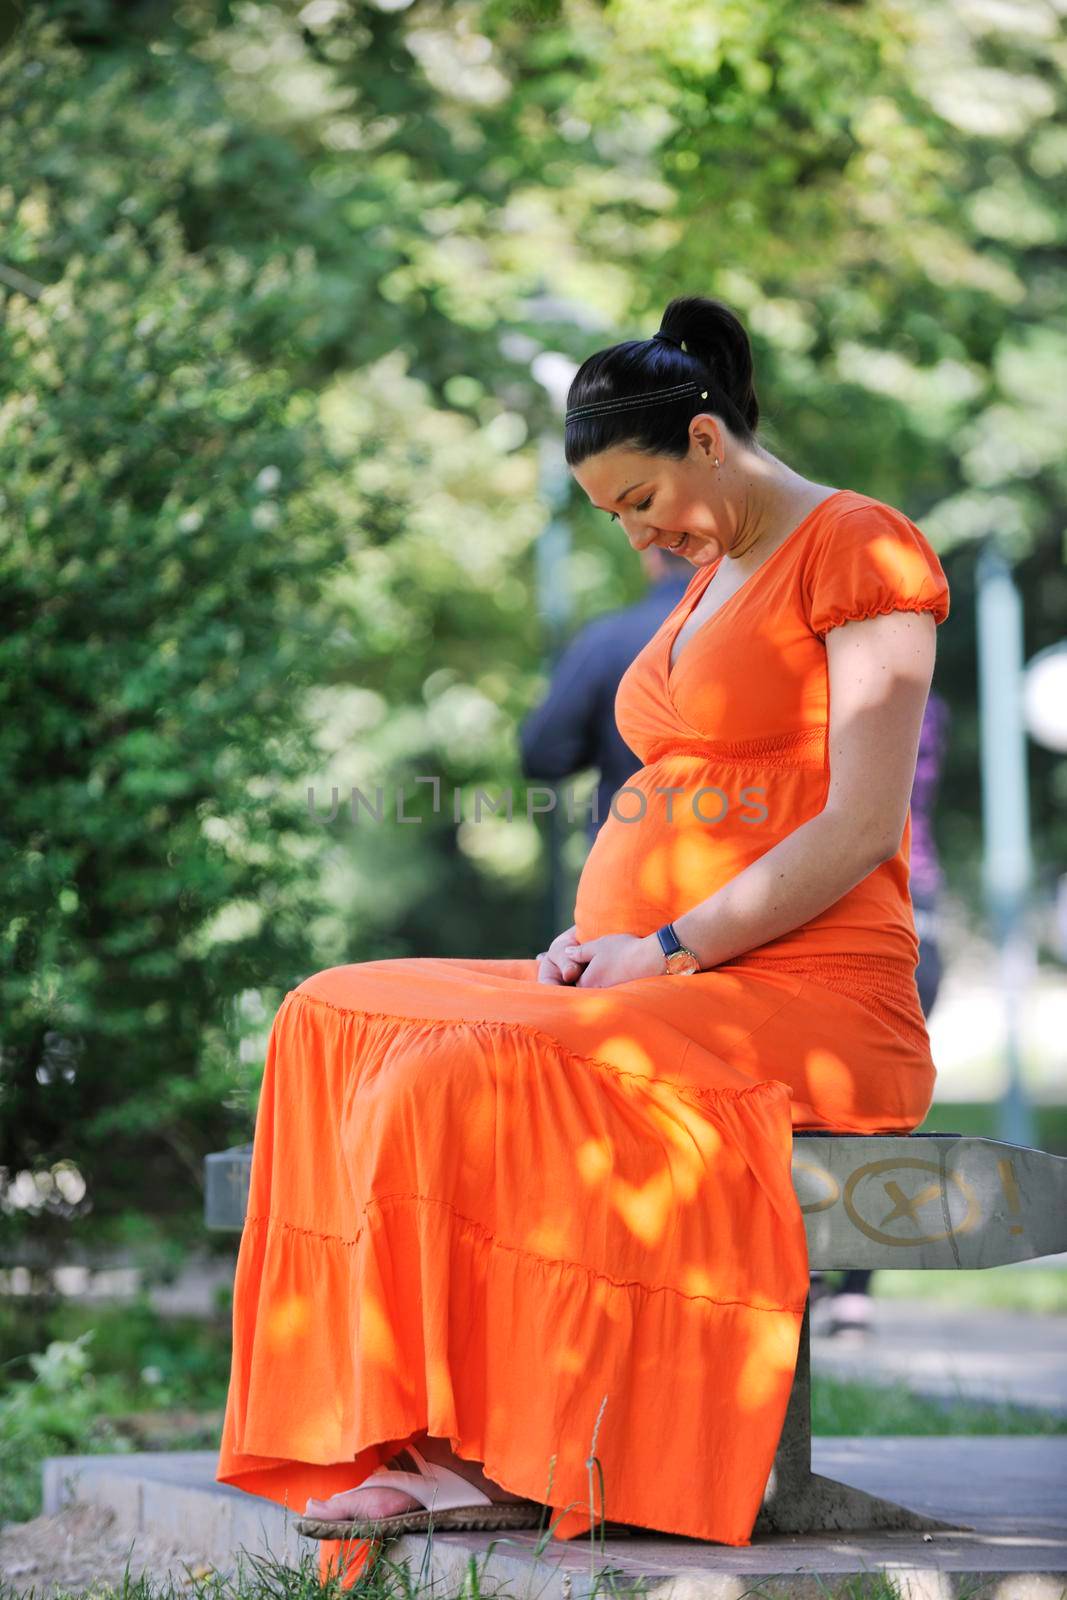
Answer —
(450, 1501)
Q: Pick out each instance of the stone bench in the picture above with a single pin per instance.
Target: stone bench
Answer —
(920, 1200)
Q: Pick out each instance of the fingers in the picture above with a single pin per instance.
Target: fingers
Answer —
(557, 970)
(548, 972)
(555, 966)
(560, 944)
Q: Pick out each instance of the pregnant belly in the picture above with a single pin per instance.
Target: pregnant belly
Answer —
(677, 832)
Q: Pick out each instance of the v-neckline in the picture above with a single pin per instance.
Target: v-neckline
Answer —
(713, 567)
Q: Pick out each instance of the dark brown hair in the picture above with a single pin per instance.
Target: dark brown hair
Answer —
(717, 356)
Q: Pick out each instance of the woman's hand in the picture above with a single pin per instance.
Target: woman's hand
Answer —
(602, 963)
(555, 966)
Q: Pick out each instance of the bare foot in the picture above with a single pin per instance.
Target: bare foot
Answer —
(351, 1504)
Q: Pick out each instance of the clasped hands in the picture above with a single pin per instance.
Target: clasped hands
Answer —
(600, 963)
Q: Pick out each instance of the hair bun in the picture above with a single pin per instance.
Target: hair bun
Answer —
(716, 337)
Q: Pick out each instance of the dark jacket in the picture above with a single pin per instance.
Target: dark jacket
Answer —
(574, 728)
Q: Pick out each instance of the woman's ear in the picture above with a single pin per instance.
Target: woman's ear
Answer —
(706, 434)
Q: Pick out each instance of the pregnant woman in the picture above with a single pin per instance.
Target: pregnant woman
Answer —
(508, 1215)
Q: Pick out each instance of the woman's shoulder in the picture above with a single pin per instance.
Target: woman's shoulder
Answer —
(861, 510)
(866, 556)
(851, 520)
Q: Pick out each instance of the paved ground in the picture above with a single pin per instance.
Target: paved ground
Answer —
(976, 1355)
(1010, 1492)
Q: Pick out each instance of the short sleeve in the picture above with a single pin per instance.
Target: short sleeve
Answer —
(871, 560)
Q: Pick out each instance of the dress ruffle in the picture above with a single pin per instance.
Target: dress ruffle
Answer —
(835, 616)
(473, 1230)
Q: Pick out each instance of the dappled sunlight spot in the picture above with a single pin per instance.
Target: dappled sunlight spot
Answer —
(594, 1159)
(647, 1209)
(287, 1321)
(686, 1165)
(548, 1239)
(837, 1083)
(731, 1035)
(569, 1359)
(603, 1295)
(704, 1134)
(671, 1116)
(693, 846)
(903, 566)
(625, 1054)
(308, 1432)
(654, 877)
(498, 1413)
(601, 1002)
(376, 1335)
(438, 1376)
(770, 1359)
(697, 1281)
(694, 850)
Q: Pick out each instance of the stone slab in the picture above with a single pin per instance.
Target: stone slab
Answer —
(919, 1200)
(1011, 1491)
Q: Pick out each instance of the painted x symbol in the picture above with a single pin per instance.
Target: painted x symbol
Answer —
(905, 1206)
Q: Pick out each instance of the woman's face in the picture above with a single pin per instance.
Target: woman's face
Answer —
(675, 504)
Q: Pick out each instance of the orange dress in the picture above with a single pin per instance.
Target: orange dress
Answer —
(526, 1216)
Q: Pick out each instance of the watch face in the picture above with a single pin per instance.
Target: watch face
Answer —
(683, 961)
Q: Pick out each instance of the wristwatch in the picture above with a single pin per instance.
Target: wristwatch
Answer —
(679, 956)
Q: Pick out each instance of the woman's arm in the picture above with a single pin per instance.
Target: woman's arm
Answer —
(880, 669)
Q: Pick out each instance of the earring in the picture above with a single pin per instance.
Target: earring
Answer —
(716, 461)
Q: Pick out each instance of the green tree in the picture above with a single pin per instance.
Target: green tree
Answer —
(162, 563)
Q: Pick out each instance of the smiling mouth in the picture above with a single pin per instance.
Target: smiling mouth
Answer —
(679, 544)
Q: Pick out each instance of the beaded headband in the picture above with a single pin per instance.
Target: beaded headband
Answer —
(675, 391)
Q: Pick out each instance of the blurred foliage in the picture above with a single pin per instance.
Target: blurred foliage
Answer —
(108, 1379)
(156, 1361)
(273, 278)
(978, 1119)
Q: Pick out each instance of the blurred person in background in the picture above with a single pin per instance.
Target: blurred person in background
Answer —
(574, 729)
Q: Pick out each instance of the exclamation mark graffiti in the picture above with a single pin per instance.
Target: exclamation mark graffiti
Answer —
(1006, 1168)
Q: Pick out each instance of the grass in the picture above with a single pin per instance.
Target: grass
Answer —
(265, 1578)
(1041, 1291)
(842, 1408)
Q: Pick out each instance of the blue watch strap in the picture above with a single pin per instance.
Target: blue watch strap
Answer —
(668, 940)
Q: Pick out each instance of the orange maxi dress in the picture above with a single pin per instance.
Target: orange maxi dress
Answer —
(550, 1222)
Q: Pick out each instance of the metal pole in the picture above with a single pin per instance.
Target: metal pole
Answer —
(1006, 860)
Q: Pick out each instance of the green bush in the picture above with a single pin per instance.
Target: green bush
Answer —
(61, 1410)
